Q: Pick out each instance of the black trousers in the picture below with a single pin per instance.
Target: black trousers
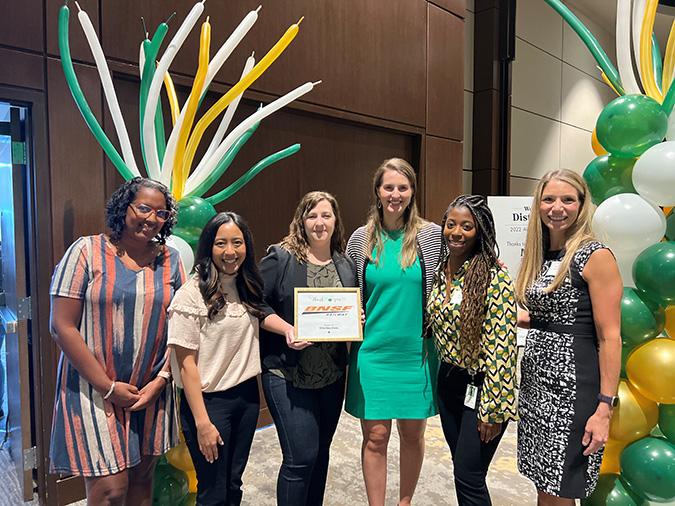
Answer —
(470, 456)
(234, 412)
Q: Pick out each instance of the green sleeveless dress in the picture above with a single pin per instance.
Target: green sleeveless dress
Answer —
(393, 372)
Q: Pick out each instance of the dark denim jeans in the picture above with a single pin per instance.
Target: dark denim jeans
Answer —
(234, 412)
(470, 456)
(306, 420)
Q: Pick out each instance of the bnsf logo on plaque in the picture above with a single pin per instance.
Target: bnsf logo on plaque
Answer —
(328, 314)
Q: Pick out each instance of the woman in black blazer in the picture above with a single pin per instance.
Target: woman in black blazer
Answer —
(304, 382)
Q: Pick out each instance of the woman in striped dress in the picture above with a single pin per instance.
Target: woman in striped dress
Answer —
(113, 410)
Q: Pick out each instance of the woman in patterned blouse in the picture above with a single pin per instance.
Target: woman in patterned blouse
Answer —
(472, 315)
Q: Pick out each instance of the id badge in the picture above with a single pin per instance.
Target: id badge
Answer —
(553, 268)
(456, 297)
(471, 396)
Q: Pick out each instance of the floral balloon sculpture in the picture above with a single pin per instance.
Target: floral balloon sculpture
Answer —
(633, 175)
(171, 160)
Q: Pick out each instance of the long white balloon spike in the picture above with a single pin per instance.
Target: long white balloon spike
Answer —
(214, 66)
(227, 117)
(149, 135)
(108, 89)
(241, 128)
(623, 52)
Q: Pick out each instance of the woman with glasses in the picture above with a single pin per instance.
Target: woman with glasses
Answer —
(113, 413)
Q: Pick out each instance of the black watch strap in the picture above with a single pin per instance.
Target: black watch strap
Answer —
(609, 399)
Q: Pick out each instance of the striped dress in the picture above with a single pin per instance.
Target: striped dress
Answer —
(124, 325)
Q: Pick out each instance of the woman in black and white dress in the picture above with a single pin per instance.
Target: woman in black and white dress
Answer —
(570, 284)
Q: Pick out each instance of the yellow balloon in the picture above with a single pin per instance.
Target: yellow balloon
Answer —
(610, 459)
(179, 457)
(634, 417)
(651, 369)
(595, 144)
(192, 476)
(670, 321)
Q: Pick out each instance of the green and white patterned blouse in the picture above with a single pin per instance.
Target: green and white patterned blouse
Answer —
(497, 358)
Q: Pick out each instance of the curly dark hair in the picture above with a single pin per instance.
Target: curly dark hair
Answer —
(249, 281)
(483, 258)
(116, 207)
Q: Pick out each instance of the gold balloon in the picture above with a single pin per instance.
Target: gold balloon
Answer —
(651, 369)
(595, 144)
(670, 321)
(610, 459)
(179, 457)
(192, 476)
(634, 417)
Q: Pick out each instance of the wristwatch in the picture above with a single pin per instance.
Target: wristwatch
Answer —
(166, 375)
(609, 399)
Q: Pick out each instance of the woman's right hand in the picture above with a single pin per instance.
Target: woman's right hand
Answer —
(209, 439)
(291, 342)
(124, 394)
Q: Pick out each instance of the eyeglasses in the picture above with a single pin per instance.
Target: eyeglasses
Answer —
(144, 211)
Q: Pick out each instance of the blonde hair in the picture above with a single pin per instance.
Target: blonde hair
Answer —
(296, 241)
(538, 239)
(411, 218)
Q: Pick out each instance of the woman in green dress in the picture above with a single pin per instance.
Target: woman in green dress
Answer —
(392, 374)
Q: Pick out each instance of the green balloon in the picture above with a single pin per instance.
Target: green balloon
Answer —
(670, 226)
(630, 125)
(667, 421)
(648, 465)
(611, 490)
(609, 175)
(193, 213)
(624, 356)
(641, 318)
(171, 485)
(654, 272)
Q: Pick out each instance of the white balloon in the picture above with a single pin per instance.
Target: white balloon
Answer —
(654, 174)
(625, 260)
(185, 251)
(627, 223)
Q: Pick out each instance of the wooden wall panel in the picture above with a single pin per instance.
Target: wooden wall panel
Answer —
(443, 176)
(75, 159)
(21, 23)
(457, 7)
(21, 69)
(370, 55)
(445, 75)
(336, 156)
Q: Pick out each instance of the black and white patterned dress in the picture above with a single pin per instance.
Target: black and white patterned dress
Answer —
(560, 381)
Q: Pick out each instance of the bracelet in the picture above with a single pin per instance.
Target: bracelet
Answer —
(112, 388)
(166, 375)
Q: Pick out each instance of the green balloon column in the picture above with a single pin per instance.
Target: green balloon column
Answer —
(632, 183)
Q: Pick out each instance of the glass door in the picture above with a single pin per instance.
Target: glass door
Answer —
(15, 301)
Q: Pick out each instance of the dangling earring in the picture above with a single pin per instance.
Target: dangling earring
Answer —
(379, 204)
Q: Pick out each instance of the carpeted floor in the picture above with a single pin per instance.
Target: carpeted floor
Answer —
(345, 482)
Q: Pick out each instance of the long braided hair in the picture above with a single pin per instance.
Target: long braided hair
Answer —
(483, 258)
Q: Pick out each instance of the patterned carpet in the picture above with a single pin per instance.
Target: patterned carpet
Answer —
(345, 482)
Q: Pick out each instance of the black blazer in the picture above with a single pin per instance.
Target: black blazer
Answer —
(281, 273)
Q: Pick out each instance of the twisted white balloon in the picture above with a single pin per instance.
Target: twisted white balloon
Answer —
(149, 136)
(214, 66)
(108, 89)
(241, 128)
